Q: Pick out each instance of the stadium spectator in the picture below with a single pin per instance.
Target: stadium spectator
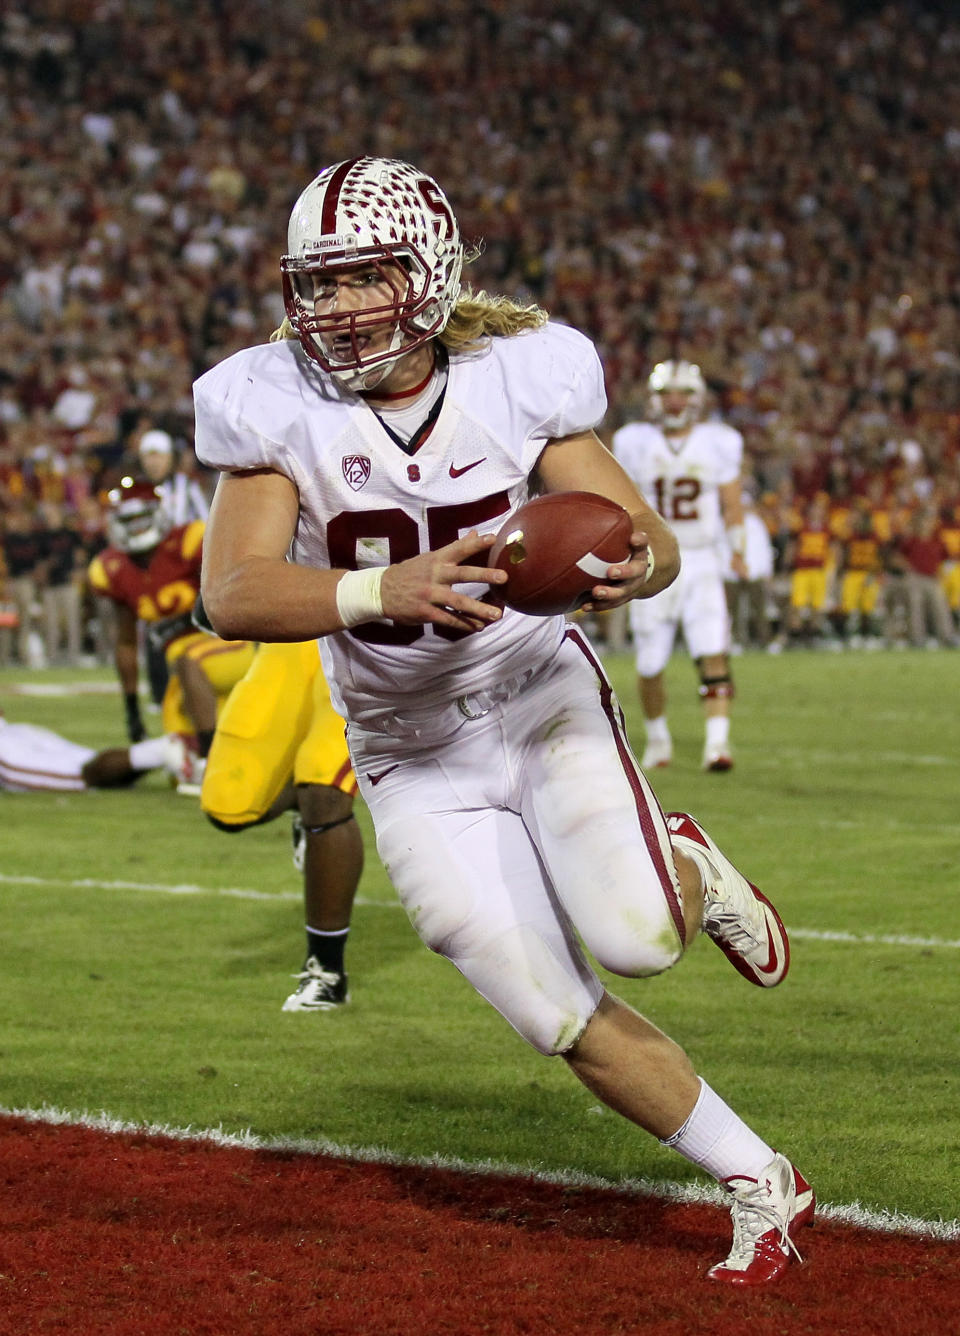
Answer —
(786, 227)
(22, 552)
(921, 554)
(61, 572)
(750, 599)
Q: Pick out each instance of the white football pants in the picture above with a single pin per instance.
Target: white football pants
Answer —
(523, 830)
(696, 601)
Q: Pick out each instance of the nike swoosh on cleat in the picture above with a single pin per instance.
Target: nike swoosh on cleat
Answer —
(457, 473)
(774, 962)
(382, 774)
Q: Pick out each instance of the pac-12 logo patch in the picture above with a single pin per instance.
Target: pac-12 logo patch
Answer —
(356, 470)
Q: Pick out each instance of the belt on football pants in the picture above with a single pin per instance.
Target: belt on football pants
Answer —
(478, 703)
(438, 720)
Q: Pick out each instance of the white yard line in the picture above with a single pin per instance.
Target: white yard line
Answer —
(871, 939)
(178, 888)
(692, 1193)
(802, 756)
(248, 893)
(91, 688)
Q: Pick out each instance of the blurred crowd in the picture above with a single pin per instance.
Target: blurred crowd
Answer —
(767, 190)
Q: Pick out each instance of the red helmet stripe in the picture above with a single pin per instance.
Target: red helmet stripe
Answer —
(328, 217)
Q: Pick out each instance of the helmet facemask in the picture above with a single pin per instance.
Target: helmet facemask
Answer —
(339, 338)
(679, 377)
(137, 520)
(382, 215)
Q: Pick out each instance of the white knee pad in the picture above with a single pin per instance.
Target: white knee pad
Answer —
(517, 950)
(547, 1000)
(634, 950)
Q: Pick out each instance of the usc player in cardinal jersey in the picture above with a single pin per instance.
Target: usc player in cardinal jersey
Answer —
(151, 573)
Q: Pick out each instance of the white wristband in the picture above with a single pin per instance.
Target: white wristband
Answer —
(358, 596)
(651, 564)
(737, 538)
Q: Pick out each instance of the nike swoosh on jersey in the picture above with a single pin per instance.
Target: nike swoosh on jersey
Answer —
(382, 774)
(457, 473)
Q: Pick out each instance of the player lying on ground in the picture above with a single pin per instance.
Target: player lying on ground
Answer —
(33, 758)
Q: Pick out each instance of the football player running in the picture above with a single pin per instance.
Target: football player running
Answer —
(691, 471)
(367, 460)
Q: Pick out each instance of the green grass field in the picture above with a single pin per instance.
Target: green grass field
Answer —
(144, 956)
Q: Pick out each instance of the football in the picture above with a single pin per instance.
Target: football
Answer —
(555, 548)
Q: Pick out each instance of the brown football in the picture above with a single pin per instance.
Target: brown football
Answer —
(555, 548)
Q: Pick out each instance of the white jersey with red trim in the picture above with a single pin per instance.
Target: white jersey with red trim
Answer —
(365, 502)
(680, 476)
(34, 758)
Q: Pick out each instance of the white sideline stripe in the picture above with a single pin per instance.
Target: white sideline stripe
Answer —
(800, 756)
(62, 688)
(184, 888)
(246, 893)
(861, 1217)
(870, 823)
(871, 939)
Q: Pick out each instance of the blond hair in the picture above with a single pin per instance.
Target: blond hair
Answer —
(476, 318)
(480, 316)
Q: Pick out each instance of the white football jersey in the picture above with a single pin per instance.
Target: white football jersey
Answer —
(680, 476)
(365, 502)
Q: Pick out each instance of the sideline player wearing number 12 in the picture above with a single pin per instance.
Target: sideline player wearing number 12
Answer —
(690, 469)
(367, 461)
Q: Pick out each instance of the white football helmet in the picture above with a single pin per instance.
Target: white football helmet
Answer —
(363, 212)
(137, 520)
(681, 378)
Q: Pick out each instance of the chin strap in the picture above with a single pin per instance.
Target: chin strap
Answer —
(362, 381)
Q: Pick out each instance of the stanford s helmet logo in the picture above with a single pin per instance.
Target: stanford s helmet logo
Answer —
(356, 470)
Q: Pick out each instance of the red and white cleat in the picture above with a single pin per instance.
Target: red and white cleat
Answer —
(738, 917)
(767, 1214)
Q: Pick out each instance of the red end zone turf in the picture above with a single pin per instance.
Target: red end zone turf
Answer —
(130, 1234)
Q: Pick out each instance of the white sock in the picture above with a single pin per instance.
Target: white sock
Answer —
(718, 730)
(149, 754)
(657, 730)
(720, 1142)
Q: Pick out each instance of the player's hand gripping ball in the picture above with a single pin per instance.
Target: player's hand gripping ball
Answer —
(556, 547)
